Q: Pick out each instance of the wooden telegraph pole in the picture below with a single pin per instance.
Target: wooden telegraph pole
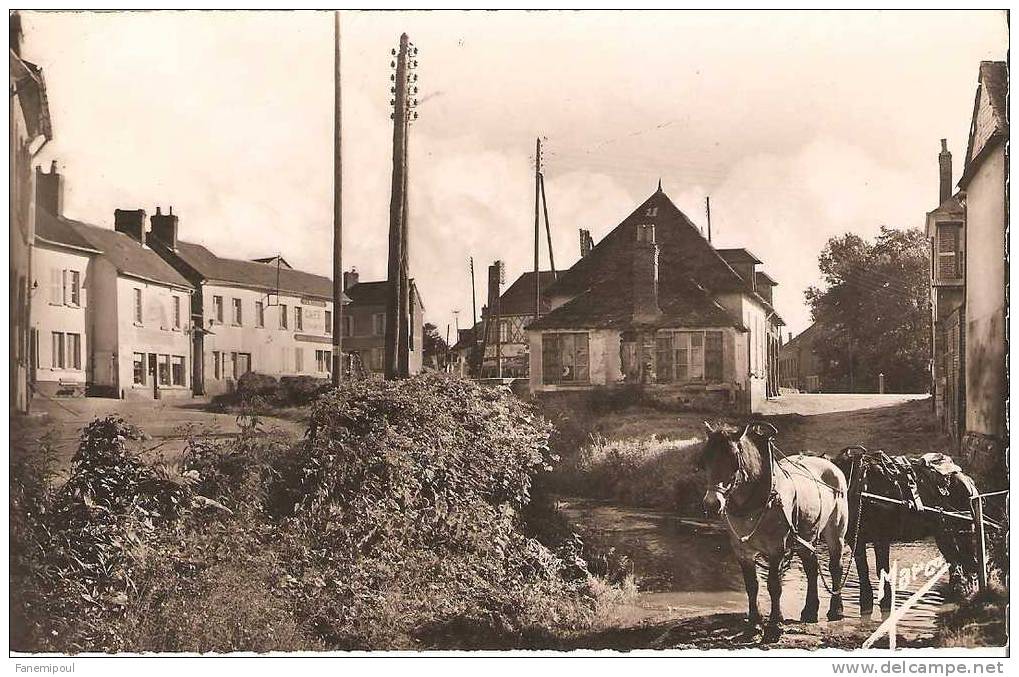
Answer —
(398, 304)
(537, 227)
(337, 361)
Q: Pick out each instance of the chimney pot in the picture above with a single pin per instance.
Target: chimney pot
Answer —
(944, 172)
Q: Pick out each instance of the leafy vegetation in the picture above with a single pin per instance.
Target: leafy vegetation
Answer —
(403, 519)
(874, 313)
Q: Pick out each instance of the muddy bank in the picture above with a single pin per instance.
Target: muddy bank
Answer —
(692, 595)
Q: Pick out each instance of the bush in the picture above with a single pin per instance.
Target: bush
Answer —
(397, 522)
(297, 391)
(253, 384)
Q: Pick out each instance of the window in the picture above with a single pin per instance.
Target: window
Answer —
(59, 356)
(237, 318)
(323, 360)
(137, 306)
(379, 324)
(283, 316)
(298, 360)
(948, 251)
(564, 358)
(329, 322)
(74, 351)
(298, 318)
(503, 331)
(683, 356)
(348, 325)
(163, 370)
(176, 312)
(139, 369)
(217, 309)
(73, 287)
(56, 286)
(177, 370)
(259, 314)
(241, 364)
(217, 364)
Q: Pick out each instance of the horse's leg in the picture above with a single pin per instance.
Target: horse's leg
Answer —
(810, 569)
(863, 573)
(749, 569)
(948, 545)
(882, 561)
(774, 629)
(836, 542)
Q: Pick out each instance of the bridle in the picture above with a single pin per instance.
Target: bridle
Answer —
(740, 475)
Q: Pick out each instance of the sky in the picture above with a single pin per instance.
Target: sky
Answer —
(799, 125)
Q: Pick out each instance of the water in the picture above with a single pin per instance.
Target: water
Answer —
(686, 567)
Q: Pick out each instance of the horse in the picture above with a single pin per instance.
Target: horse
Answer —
(773, 507)
(939, 484)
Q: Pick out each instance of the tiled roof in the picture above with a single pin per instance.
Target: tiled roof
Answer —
(764, 278)
(805, 337)
(690, 273)
(519, 298)
(59, 231)
(252, 273)
(738, 255)
(126, 254)
(374, 293)
(992, 79)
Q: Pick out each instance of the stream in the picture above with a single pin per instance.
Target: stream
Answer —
(684, 567)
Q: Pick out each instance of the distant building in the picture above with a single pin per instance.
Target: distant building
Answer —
(799, 365)
(655, 304)
(505, 319)
(946, 234)
(249, 316)
(364, 323)
(29, 124)
(465, 354)
(984, 181)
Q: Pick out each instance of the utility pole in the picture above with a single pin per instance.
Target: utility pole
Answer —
(397, 300)
(707, 208)
(337, 361)
(537, 232)
(548, 228)
(474, 298)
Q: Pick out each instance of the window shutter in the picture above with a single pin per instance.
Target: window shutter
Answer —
(551, 368)
(56, 285)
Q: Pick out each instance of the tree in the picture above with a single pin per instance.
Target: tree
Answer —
(434, 346)
(874, 314)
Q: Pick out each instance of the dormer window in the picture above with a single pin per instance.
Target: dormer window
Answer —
(949, 251)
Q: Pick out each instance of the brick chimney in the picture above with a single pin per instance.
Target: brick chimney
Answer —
(495, 275)
(586, 243)
(164, 228)
(645, 275)
(49, 190)
(945, 172)
(130, 222)
(350, 278)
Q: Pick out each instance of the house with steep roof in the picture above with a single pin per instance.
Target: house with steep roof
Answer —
(654, 304)
(984, 181)
(799, 364)
(505, 318)
(364, 323)
(249, 316)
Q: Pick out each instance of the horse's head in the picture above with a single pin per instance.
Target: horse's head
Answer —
(722, 461)
(724, 458)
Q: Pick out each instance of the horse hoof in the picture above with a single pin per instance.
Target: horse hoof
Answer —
(772, 633)
(808, 616)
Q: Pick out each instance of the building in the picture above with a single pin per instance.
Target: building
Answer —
(465, 354)
(249, 316)
(505, 319)
(946, 234)
(655, 304)
(364, 323)
(62, 264)
(799, 365)
(132, 305)
(30, 130)
(986, 215)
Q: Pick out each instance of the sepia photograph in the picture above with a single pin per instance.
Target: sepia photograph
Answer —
(498, 334)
